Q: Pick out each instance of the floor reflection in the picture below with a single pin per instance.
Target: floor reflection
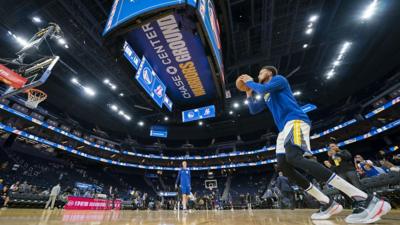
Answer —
(237, 217)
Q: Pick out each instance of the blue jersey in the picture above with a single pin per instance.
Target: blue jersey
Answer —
(183, 178)
(279, 98)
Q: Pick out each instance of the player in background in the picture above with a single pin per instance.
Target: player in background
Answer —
(183, 180)
(293, 143)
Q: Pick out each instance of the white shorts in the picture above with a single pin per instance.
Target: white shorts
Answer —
(297, 132)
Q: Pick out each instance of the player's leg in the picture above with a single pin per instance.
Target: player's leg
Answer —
(185, 192)
(370, 208)
(353, 178)
(53, 201)
(47, 203)
(184, 201)
(328, 206)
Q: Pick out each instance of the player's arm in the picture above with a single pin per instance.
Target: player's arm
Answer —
(177, 179)
(275, 84)
(190, 179)
(254, 105)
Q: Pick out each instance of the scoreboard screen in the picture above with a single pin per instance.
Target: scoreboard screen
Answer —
(159, 131)
(198, 114)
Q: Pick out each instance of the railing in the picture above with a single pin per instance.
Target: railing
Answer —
(27, 135)
(221, 155)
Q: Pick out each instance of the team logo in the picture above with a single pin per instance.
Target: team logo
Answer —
(207, 112)
(190, 114)
(147, 75)
(159, 91)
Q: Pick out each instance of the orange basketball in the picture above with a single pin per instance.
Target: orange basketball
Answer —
(241, 85)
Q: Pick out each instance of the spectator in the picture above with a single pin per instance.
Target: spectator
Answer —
(329, 165)
(283, 184)
(15, 187)
(24, 188)
(344, 166)
(248, 200)
(1, 184)
(396, 159)
(4, 196)
(145, 200)
(370, 170)
(114, 197)
(55, 191)
(357, 160)
(385, 162)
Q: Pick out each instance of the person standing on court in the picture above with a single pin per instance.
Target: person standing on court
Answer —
(55, 191)
(183, 179)
(344, 165)
(293, 143)
(286, 189)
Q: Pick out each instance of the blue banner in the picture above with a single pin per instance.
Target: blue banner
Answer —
(198, 114)
(149, 80)
(382, 108)
(335, 128)
(131, 56)
(178, 56)
(308, 108)
(167, 194)
(159, 131)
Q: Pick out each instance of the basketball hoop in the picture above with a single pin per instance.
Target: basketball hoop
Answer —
(35, 96)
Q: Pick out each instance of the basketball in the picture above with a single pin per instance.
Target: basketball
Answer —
(240, 84)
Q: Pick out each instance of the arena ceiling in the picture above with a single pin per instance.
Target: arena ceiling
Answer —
(254, 33)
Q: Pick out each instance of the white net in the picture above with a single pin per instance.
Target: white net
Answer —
(35, 96)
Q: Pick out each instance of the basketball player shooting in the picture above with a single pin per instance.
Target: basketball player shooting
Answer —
(183, 179)
(293, 143)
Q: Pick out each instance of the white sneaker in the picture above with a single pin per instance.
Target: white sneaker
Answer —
(327, 210)
(369, 210)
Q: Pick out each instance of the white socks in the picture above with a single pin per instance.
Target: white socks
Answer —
(317, 194)
(347, 188)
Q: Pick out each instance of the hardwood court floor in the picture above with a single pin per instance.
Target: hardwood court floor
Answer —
(237, 217)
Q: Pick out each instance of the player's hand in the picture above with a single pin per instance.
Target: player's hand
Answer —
(245, 77)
